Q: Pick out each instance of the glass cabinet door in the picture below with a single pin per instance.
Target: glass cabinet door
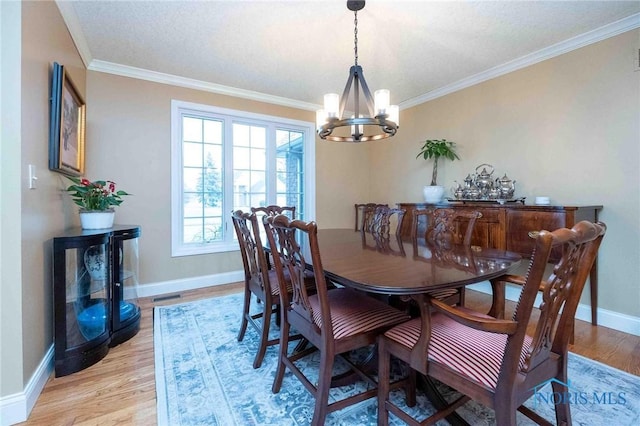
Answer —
(126, 312)
(87, 290)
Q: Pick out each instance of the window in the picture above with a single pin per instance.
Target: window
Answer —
(224, 160)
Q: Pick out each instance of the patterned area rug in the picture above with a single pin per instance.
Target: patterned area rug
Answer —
(204, 376)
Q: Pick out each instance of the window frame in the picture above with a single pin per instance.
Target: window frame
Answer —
(230, 116)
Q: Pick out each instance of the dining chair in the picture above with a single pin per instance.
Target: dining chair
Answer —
(334, 320)
(494, 361)
(363, 212)
(443, 228)
(384, 221)
(259, 280)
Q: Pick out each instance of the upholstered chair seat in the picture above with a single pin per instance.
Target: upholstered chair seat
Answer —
(352, 314)
(450, 343)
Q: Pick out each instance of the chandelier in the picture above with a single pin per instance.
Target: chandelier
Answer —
(382, 121)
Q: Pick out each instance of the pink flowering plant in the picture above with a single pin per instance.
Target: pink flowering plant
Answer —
(99, 195)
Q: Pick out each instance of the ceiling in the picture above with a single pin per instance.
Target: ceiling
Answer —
(292, 52)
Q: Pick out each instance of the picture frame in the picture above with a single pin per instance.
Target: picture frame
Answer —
(67, 125)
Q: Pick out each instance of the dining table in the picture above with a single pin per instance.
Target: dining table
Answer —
(410, 268)
(394, 265)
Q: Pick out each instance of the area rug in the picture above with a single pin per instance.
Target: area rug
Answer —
(204, 376)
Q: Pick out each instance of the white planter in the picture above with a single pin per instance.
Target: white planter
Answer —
(433, 194)
(97, 219)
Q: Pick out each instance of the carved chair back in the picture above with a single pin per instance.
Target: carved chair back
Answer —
(444, 227)
(561, 291)
(288, 258)
(384, 221)
(273, 210)
(364, 213)
(253, 254)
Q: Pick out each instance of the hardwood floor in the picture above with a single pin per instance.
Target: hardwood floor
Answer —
(120, 389)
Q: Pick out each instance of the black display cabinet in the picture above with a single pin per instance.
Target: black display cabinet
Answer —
(95, 281)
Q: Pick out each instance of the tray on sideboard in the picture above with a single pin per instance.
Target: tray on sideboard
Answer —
(468, 200)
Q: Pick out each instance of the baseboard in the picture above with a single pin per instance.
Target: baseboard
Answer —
(606, 318)
(176, 286)
(17, 407)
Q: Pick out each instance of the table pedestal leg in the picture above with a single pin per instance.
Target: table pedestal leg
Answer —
(429, 388)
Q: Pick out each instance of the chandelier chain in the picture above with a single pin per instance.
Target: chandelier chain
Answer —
(355, 35)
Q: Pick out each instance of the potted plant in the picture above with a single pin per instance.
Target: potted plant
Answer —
(435, 149)
(96, 200)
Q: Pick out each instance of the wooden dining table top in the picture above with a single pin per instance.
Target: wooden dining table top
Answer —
(402, 267)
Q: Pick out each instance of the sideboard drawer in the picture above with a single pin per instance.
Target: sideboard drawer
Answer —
(521, 222)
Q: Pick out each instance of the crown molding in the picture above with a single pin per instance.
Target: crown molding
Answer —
(75, 30)
(627, 24)
(174, 80)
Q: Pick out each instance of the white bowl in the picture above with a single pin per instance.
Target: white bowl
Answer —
(543, 201)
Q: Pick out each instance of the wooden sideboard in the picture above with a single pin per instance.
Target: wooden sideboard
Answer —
(507, 227)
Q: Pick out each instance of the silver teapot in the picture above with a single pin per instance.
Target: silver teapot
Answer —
(506, 186)
(468, 181)
(484, 180)
(473, 192)
(457, 191)
(493, 193)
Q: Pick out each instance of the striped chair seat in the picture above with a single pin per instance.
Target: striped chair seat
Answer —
(309, 282)
(353, 313)
(443, 294)
(470, 352)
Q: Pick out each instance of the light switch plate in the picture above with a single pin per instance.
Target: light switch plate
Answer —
(32, 176)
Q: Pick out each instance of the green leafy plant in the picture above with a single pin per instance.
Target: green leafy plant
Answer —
(99, 195)
(435, 149)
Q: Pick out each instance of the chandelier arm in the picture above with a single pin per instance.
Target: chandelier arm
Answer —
(366, 92)
(355, 129)
(345, 93)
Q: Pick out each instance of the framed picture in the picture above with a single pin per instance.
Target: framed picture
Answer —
(67, 125)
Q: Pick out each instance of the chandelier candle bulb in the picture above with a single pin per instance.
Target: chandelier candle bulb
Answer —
(331, 105)
(381, 97)
(355, 128)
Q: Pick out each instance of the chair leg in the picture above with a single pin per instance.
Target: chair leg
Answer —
(563, 410)
(384, 366)
(264, 336)
(505, 414)
(324, 385)
(282, 354)
(245, 314)
(411, 388)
